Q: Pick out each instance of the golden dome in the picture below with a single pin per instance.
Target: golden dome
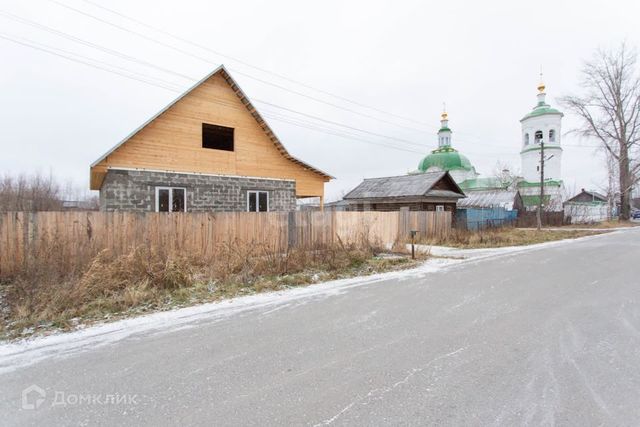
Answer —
(444, 115)
(541, 87)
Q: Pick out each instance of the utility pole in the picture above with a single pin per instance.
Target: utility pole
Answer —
(541, 201)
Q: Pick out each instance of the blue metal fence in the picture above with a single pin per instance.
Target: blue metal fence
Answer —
(482, 218)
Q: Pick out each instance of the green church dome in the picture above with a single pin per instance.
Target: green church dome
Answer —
(445, 158)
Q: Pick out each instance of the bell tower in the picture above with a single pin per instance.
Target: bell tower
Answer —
(542, 125)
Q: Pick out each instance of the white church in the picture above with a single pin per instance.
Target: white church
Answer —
(540, 127)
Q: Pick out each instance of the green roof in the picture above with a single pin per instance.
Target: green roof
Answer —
(444, 129)
(540, 110)
(481, 184)
(535, 200)
(547, 183)
(445, 158)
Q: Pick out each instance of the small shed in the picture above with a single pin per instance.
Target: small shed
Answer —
(586, 207)
(489, 208)
(429, 191)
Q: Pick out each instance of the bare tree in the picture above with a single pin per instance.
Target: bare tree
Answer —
(29, 193)
(613, 184)
(506, 175)
(40, 192)
(610, 111)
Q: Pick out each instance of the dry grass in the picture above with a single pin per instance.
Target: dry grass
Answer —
(605, 224)
(501, 237)
(44, 296)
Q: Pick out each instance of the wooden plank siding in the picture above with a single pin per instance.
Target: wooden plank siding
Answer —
(74, 238)
(173, 142)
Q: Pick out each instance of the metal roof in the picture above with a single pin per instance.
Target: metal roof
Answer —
(415, 185)
(489, 199)
(245, 100)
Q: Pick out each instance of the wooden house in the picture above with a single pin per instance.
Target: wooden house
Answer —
(586, 207)
(429, 191)
(208, 150)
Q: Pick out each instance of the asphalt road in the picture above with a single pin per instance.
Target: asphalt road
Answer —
(548, 336)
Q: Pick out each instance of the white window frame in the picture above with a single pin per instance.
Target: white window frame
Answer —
(257, 193)
(439, 208)
(170, 197)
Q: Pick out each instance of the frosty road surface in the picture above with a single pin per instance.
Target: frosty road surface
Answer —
(543, 336)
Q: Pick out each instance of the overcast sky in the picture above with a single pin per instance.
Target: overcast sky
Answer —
(404, 58)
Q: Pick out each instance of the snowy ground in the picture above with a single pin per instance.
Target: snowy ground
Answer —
(32, 350)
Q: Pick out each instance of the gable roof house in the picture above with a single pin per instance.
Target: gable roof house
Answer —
(429, 191)
(208, 150)
(586, 207)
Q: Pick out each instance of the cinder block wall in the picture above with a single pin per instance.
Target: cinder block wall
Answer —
(135, 191)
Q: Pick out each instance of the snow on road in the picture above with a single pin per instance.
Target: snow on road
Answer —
(17, 354)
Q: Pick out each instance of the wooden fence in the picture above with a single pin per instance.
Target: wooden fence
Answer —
(73, 235)
(549, 219)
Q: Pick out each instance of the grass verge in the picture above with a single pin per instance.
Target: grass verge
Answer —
(502, 237)
(605, 224)
(42, 299)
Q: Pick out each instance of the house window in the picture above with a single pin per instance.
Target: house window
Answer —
(171, 199)
(217, 137)
(538, 137)
(439, 208)
(526, 139)
(257, 201)
(552, 135)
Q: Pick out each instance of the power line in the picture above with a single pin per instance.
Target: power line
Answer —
(133, 59)
(339, 124)
(201, 58)
(163, 83)
(207, 48)
(52, 52)
(191, 79)
(89, 44)
(71, 58)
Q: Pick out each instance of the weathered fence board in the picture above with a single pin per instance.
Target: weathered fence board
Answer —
(74, 235)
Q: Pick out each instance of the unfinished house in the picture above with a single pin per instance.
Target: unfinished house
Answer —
(208, 150)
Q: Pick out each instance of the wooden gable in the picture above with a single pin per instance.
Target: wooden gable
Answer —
(172, 141)
(446, 182)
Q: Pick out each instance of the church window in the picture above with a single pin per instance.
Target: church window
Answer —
(552, 135)
(526, 139)
(538, 137)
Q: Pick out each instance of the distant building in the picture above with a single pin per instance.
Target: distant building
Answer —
(542, 123)
(586, 207)
(429, 191)
(445, 158)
